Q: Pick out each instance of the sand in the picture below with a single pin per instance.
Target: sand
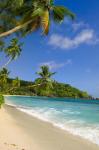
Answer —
(19, 131)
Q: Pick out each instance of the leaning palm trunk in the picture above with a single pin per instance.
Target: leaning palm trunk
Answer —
(15, 29)
(36, 85)
(40, 84)
(28, 86)
(4, 66)
(11, 89)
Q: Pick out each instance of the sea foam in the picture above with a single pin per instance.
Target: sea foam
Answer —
(90, 132)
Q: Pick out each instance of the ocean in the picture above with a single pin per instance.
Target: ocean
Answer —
(77, 116)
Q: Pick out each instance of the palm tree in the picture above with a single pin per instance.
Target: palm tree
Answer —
(44, 84)
(45, 76)
(12, 51)
(3, 77)
(16, 82)
(28, 16)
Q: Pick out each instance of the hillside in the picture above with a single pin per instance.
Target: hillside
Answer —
(58, 90)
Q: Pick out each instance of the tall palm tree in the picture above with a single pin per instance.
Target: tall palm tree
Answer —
(44, 84)
(3, 76)
(12, 51)
(45, 73)
(28, 16)
(45, 76)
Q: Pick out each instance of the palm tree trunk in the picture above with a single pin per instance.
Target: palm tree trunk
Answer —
(4, 66)
(11, 89)
(15, 29)
(35, 85)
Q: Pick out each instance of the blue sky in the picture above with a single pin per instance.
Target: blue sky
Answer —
(71, 49)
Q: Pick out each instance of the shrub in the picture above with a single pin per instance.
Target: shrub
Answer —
(1, 100)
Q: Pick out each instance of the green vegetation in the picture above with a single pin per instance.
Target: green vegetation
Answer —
(12, 51)
(42, 86)
(16, 82)
(1, 100)
(24, 17)
(3, 78)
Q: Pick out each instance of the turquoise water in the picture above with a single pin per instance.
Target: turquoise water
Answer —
(79, 117)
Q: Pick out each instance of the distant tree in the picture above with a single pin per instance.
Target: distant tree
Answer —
(16, 82)
(84, 95)
(1, 100)
(44, 83)
(3, 77)
(45, 74)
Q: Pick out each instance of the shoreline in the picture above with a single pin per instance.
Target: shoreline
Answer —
(51, 97)
(32, 133)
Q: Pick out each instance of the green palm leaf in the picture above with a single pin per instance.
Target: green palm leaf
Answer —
(15, 3)
(14, 49)
(60, 12)
(45, 22)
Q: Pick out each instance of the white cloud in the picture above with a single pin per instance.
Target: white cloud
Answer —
(86, 36)
(78, 25)
(54, 65)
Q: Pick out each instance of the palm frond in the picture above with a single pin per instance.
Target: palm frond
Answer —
(60, 12)
(37, 12)
(45, 22)
(14, 49)
(18, 15)
(15, 3)
(9, 19)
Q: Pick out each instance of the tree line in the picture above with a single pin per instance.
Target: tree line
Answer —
(44, 85)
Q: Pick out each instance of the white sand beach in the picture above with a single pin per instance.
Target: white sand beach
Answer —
(19, 131)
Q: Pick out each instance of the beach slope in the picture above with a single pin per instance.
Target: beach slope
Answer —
(19, 131)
